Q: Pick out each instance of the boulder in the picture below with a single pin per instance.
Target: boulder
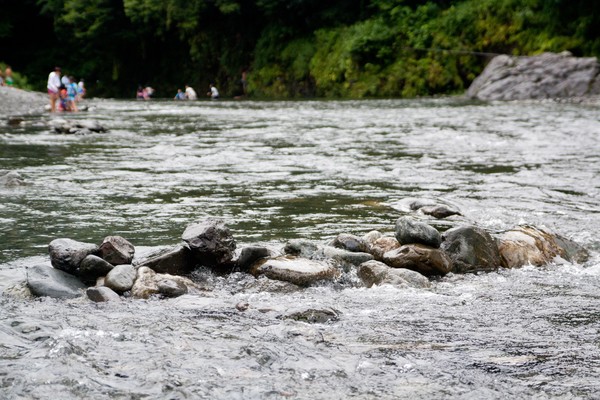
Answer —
(471, 249)
(102, 294)
(382, 245)
(410, 231)
(47, 281)
(548, 75)
(350, 242)
(301, 248)
(116, 250)
(210, 241)
(343, 258)
(148, 283)
(67, 254)
(439, 211)
(417, 257)
(93, 267)
(313, 315)
(537, 246)
(372, 236)
(177, 260)
(121, 278)
(377, 273)
(299, 271)
(250, 254)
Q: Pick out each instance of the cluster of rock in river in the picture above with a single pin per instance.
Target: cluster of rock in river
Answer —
(415, 253)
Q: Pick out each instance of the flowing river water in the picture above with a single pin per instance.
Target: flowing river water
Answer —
(276, 171)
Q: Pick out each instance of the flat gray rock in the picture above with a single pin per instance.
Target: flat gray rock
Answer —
(47, 281)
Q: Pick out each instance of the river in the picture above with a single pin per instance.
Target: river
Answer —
(276, 171)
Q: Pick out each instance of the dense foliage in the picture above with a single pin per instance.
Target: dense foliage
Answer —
(289, 48)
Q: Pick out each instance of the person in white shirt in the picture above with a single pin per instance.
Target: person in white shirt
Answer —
(214, 93)
(190, 93)
(53, 87)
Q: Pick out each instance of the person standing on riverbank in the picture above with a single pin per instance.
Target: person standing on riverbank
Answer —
(214, 93)
(53, 87)
(190, 93)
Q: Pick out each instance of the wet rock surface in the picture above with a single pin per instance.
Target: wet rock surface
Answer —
(471, 249)
(426, 260)
(377, 273)
(211, 241)
(299, 271)
(67, 254)
(102, 294)
(51, 282)
(411, 231)
(121, 278)
(116, 250)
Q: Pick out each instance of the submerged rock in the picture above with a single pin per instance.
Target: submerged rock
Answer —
(417, 257)
(210, 241)
(471, 249)
(344, 258)
(116, 250)
(60, 125)
(313, 315)
(299, 271)
(67, 254)
(177, 260)
(47, 281)
(410, 231)
(350, 242)
(537, 246)
(377, 273)
(148, 283)
(439, 211)
(301, 248)
(102, 294)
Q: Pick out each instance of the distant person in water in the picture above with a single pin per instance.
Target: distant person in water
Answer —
(81, 90)
(65, 80)
(180, 95)
(8, 78)
(72, 95)
(190, 93)
(53, 87)
(214, 93)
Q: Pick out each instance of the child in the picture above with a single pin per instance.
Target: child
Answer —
(62, 98)
(71, 95)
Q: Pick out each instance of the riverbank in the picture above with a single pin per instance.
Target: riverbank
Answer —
(16, 102)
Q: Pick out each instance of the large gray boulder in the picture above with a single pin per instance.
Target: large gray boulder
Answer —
(471, 249)
(377, 273)
(67, 254)
(47, 281)
(548, 75)
(417, 257)
(121, 278)
(350, 242)
(210, 241)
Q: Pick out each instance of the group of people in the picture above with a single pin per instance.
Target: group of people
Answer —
(144, 93)
(64, 92)
(6, 78)
(190, 93)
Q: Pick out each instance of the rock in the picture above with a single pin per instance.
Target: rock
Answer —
(15, 102)
(409, 231)
(537, 246)
(350, 242)
(313, 316)
(471, 249)
(116, 250)
(47, 281)
(372, 236)
(250, 254)
(15, 121)
(242, 306)
(417, 257)
(548, 75)
(301, 248)
(176, 260)
(210, 241)
(344, 258)
(60, 125)
(11, 179)
(102, 294)
(382, 245)
(149, 283)
(121, 278)
(93, 267)
(299, 271)
(67, 254)
(439, 211)
(378, 273)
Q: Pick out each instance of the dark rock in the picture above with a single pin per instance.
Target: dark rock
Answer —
(176, 260)
(15, 121)
(314, 316)
(425, 260)
(47, 281)
(343, 258)
(121, 278)
(210, 241)
(93, 267)
(350, 242)
(537, 246)
(439, 211)
(116, 250)
(171, 288)
(548, 75)
(382, 245)
(250, 254)
(301, 248)
(378, 273)
(67, 254)
(102, 294)
(410, 231)
(60, 125)
(299, 271)
(471, 249)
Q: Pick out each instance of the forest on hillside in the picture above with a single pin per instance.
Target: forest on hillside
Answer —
(288, 48)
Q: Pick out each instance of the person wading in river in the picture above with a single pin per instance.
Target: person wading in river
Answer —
(53, 87)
